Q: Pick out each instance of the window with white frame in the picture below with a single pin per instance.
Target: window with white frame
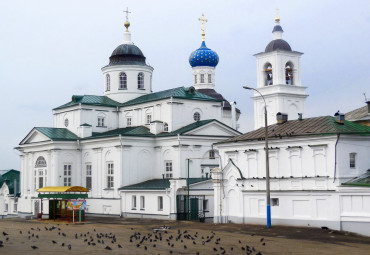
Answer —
(148, 118)
(110, 175)
(101, 121)
(67, 179)
(133, 202)
(128, 121)
(142, 203)
(88, 176)
(195, 78)
(211, 154)
(66, 122)
(160, 203)
(42, 178)
(15, 209)
(352, 160)
(107, 82)
(196, 116)
(202, 78)
(122, 80)
(168, 170)
(209, 78)
(165, 127)
(6, 208)
(140, 81)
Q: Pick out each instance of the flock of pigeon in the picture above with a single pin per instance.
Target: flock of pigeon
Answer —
(163, 240)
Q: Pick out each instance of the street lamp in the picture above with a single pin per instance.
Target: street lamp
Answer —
(268, 206)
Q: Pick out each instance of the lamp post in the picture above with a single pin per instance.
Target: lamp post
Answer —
(268, 206)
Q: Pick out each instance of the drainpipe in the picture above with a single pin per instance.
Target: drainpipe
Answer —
(117, 117)
(79, 148)
(169, 197)
(335, 163)
(119, 192)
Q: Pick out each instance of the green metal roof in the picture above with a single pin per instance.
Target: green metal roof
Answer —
(180, 92)
(128, 131)
(142, 131)
(57, 134)
(158, 184)
(8, 176)
(362, 180)
(90, 100)
(325, 125)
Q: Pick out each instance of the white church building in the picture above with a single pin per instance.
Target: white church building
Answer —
(318, 167)
(138, 152)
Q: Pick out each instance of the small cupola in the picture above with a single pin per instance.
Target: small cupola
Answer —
(281, 118)
(339, 117)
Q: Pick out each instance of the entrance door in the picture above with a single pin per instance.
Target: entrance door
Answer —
(36, 207)
(194, 208)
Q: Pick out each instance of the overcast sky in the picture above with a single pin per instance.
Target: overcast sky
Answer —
(51, 50)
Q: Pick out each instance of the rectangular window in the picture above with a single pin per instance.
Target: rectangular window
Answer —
(202, 78)
(275, 201)
(160, 203)
(195, 79)
(148, 118)
(6, 208)
(352, 160)
(205, 204)
(67, 175)
(142, 203)
(100, 121)
(88, 176)
(133, 203)
(168, 165)
(211, 154)
(110, 177)
(41, 179)
(15, 209)
(128, 121)
(209, 78)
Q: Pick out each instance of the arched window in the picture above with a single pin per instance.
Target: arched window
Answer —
(122, 80)
(196, 116)
(40, 177)
(107, 82)
(268, 72)
(202, 78)
(289, 73)
(165, 127)
(40, 162)
(140, 81)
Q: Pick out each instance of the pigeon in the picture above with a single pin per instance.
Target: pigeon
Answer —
(34, 247)
(69, 247)
(119, 246)
(5, 234)
(109, 248)
(262, 239)
(54, 242)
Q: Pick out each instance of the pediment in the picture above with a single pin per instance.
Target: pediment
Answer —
(213, 129)
(35, 137)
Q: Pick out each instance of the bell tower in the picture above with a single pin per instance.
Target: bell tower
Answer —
(278, 80)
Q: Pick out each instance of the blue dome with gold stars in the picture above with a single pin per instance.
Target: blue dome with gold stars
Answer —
(203, 57)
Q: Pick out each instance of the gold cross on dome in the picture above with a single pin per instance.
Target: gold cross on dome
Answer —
(277, 18)
(127, 12)
(203, 20)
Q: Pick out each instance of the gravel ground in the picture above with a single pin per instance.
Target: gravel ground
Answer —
(113, 235)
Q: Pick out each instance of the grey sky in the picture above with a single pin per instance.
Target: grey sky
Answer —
(51, 50)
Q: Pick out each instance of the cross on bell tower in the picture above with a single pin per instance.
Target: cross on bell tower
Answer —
(203, 20)
(127, 23)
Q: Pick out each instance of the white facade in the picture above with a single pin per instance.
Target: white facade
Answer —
(279, 81)
(128, 136)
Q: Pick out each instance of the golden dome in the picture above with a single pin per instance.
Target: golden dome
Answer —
(127, 25)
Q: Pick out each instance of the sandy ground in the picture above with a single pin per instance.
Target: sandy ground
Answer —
(183, 237)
